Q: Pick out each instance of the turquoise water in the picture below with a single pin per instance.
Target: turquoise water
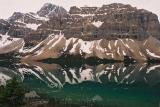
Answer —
(106, 85)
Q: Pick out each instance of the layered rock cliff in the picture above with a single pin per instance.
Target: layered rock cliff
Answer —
(88, 23)
(109, 22)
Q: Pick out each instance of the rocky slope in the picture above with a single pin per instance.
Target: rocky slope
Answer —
(88, 23)
(10, 45)
(57, 45)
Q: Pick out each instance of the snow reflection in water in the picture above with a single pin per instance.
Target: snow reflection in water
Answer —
(114, 83)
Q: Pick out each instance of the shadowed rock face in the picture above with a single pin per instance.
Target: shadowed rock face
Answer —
(4, 26)
(57, 45)
(88, 23)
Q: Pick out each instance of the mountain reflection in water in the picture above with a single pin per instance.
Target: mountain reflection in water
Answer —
(112, 84)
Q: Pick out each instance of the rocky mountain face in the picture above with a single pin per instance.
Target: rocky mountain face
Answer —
(4, 26)
(107, 22)
(56, 46)
(88, 23)
(24, 24)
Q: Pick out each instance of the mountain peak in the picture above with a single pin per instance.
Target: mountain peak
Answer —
(48, 4)
(51, 10)
(15, 16)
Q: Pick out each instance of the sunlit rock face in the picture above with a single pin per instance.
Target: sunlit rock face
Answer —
(10, 45)
(57, 45)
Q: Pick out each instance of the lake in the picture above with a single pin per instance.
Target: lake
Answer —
(90, 85)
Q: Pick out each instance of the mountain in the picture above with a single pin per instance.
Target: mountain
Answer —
(24, 24)
(107, 22)
(88, 23)
(112, 32)
(51, 10)
(56, 46)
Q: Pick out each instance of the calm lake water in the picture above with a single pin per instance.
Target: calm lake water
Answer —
(97, 85)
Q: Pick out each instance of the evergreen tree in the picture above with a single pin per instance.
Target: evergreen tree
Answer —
(12, 93)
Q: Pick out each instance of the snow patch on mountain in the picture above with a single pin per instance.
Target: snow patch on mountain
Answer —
(152, 54)
(9, 44)
(83, 15)
(51, 10)
(97, 23)
(33, 26)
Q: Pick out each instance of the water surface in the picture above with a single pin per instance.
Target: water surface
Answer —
(106, 85)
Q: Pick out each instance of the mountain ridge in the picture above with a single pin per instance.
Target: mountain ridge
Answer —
(57, 45)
